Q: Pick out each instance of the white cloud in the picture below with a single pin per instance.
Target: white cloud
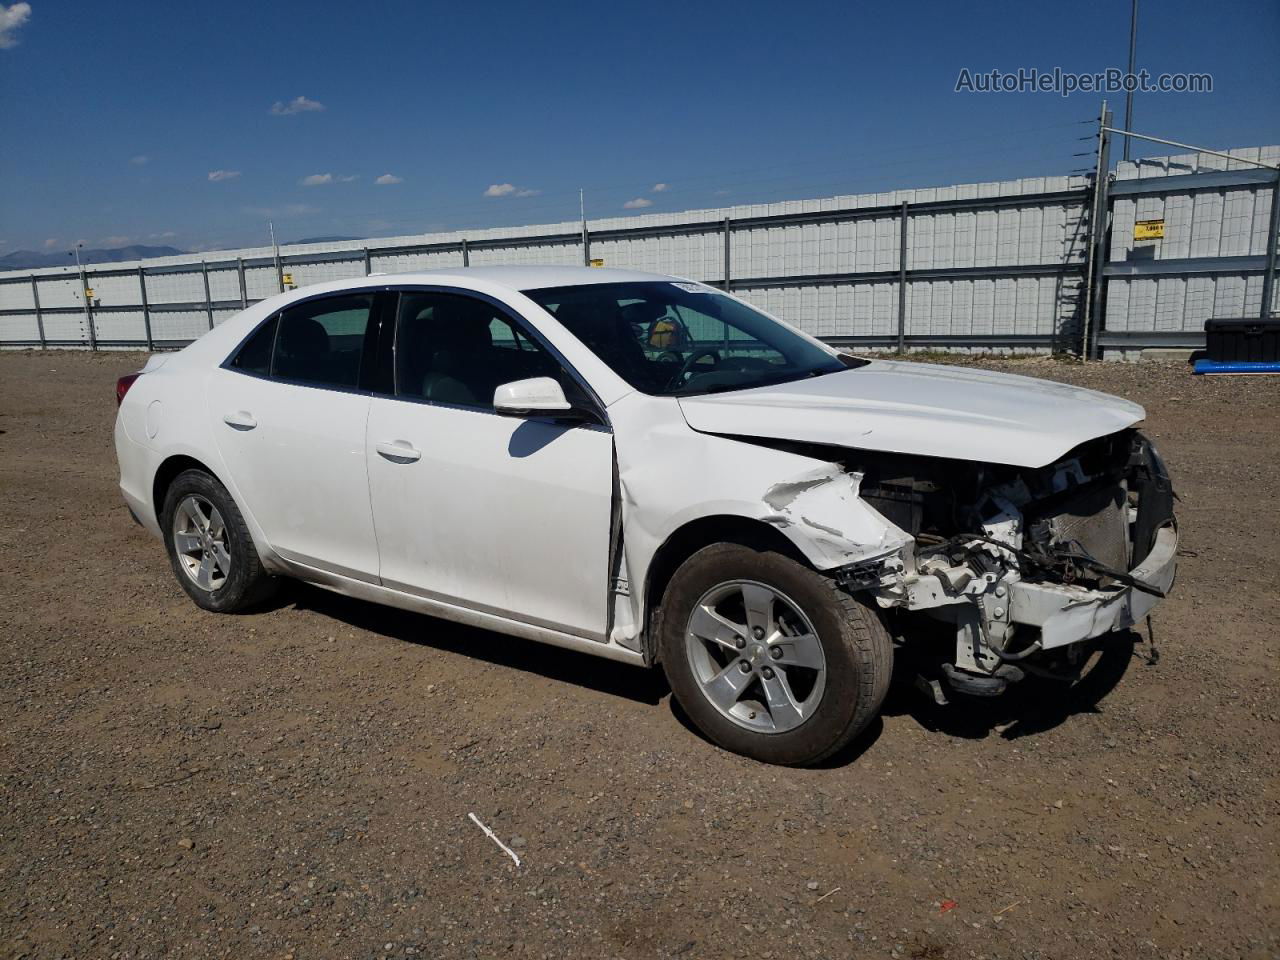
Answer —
(288, 210)
(660, 188)
(11, 18)
(387, 179)
(637, 204)
(320, 179)
(51, 243)
(509, 190)
(115, 241)
(140, 160)
(296, 105)
(167, 235)
(217, 176)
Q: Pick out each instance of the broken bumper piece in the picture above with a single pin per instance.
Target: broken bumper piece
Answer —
(1065, 614)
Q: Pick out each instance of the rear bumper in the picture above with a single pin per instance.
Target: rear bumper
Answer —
(1067, 614)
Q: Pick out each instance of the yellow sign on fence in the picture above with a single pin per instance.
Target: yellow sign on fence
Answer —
(597, 262)
(1148, 230)
(287, 279)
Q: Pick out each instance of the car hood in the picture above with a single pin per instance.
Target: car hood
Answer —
(923, 409)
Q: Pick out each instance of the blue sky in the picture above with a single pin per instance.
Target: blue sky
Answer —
(117, 118)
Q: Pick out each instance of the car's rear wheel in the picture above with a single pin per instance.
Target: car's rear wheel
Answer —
(209, 546)
(768, 657)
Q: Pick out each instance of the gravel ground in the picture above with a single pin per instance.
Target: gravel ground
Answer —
(296, 782)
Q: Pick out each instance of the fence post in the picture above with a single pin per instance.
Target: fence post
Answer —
(146, 308)
(1099, 273)
(902, 280)
(727, 247)
(244, 287)
(88, 311)
(1097, 216)
(35, 298)
(208, 300)
(1269, 276)
(466, 253)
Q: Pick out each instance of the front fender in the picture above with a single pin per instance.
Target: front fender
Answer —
(670, 475)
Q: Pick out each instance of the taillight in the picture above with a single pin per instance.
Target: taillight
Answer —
(123, 385)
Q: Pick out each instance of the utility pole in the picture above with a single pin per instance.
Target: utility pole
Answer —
(276, 248)
(1128, 96)
(586, 240)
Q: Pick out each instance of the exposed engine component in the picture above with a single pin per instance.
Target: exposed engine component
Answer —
(1003, 554)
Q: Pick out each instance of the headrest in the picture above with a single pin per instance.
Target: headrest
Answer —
(304, 337)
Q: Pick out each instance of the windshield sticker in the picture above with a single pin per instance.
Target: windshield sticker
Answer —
(693, 287)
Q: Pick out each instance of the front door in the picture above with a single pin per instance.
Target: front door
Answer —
(289, 416)
(499, 514)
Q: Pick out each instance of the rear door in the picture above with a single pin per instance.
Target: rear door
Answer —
(289, 412)
(499, 514)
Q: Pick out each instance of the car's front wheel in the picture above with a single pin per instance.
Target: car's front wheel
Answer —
(209, 546)
(768, 657)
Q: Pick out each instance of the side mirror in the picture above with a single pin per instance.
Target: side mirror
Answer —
(537, 395)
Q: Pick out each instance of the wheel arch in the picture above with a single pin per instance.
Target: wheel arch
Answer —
(168, 471)
(691, 537)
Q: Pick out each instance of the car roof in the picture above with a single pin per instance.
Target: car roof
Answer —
(526, 277)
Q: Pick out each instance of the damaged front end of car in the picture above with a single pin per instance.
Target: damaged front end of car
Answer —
(1013, 569)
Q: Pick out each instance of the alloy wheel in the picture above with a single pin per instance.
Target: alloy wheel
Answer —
(200, 539)
(756, 656)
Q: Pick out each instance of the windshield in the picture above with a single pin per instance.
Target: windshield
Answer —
(672, 338)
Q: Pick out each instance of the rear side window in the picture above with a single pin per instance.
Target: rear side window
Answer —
(255, 355)
(322, 341)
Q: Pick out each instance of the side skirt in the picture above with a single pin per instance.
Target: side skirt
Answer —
(458, 614)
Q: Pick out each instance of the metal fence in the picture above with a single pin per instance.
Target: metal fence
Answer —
(1217, 221)
(980, 267)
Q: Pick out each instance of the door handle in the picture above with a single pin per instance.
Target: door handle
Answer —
(398, 451)
(240, 420)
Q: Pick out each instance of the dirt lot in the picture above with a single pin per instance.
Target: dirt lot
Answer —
(296, 783)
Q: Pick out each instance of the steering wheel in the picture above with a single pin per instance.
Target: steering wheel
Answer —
(693, 358)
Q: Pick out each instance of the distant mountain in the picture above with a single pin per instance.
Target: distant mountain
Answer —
(29, 259)
(324, 240)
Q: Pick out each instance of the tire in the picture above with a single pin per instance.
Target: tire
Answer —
(852, 644)
(200, 555)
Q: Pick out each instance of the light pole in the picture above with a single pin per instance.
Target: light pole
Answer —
(275, 248)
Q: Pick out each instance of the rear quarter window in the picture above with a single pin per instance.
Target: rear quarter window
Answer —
(255, 354)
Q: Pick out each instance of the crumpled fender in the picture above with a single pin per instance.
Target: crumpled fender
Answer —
(670, 475)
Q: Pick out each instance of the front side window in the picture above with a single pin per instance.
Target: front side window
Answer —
(671, 338)
(322, 341)
(457, 350)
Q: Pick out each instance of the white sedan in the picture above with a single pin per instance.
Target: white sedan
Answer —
(647, 469)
